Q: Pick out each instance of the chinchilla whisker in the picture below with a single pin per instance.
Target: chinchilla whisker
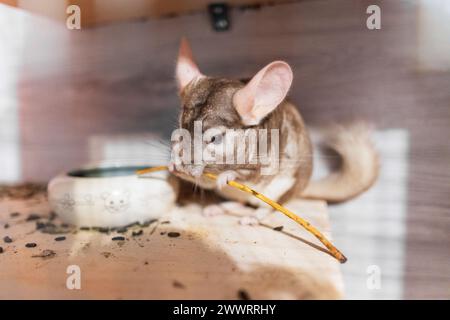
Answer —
(159, 143)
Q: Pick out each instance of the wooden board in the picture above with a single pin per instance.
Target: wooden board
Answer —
(213, 258)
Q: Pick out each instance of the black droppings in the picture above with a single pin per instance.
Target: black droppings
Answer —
(6, 226)
(173, 234)
(162, 233)
(118, 238)
(31, 245)
(243, 294)
(177, 284)
(85, 228)
(33, 216)
(280, 228)
(62, 238)
(1, 250)
(7, 239)
(137, 233)
(50, 228)
(14, 214)
(42, 225)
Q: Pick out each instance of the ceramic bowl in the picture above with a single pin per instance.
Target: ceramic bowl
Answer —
(111, 196)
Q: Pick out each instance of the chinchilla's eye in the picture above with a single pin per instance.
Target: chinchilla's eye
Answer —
(216, 139)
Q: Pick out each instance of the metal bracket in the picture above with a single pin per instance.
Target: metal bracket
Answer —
(219, 16)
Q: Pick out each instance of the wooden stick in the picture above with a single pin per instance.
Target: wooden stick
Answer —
(305, 224)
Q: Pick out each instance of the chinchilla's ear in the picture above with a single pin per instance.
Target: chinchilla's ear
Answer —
(186, 69)
(263, 93)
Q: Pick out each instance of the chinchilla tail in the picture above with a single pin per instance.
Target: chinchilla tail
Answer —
(359, 165)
